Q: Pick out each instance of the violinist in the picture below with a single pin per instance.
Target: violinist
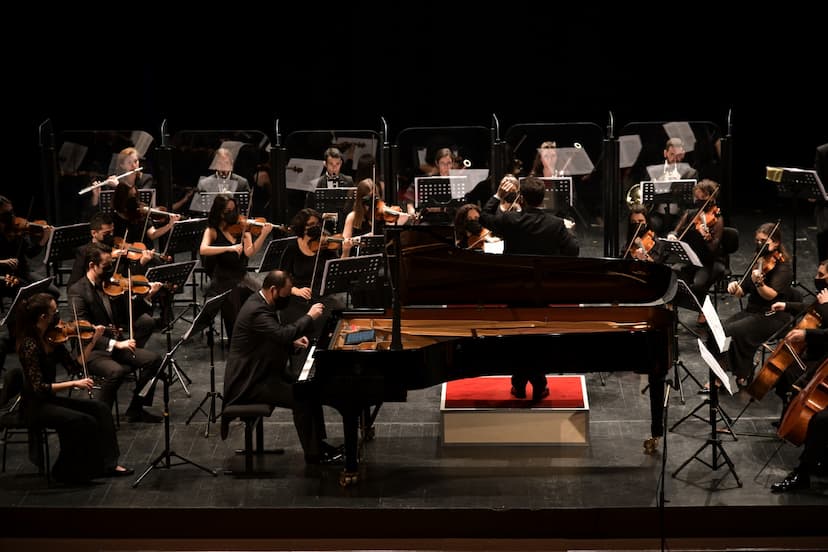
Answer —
(88, 444)
(132, 220)
(102, 231)
(20, 241)
(226, 247)
(362, 220)
(702, 227)
(640, 235)
(766, 281)
(116, 355)
(467, 227)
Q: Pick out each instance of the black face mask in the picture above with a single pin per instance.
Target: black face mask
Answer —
(108, 272)
(473, 227)
(820, 284)
(132, 204)
(759, 248)
(231, 217)
(314, 232)
(55, 320)
(367, 200)
(108, 240)
(280, 302)
(699, 203)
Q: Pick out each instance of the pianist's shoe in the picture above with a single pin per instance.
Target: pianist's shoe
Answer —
(518, 393)
(795, 481)
(540, 394)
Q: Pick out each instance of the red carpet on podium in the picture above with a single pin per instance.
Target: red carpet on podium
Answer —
(493, 392)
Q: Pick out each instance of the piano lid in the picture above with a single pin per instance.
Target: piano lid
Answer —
(434, 272)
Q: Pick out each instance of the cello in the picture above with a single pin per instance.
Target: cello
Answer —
(785, 354)
(809, 401)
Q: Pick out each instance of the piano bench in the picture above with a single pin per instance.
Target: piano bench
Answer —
(252, 415)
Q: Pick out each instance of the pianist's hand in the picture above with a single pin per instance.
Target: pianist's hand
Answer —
(301, 343)
(316, 310)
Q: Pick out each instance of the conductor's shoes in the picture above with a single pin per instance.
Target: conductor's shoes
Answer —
(224, 428)
(518, 393)
(795, 481)
(540, 394)
(142, 417)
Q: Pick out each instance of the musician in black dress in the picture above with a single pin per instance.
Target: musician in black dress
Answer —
(226, 246)
(361, 220)
(88, 445)
(768, 281)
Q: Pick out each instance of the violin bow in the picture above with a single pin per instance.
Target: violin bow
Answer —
(80, 346)
(759, 253)
(701, 210)
(632, 241)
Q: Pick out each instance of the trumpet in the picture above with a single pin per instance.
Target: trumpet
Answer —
(99, 184)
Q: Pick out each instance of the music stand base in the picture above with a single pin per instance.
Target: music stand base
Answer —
(165, 457)
(210, 413)
(718, 450)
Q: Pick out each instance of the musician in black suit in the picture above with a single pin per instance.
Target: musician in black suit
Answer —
(528, 230)
(532, 231)
(113, 358)
(333, 178)
(259, 370)
(102, 231)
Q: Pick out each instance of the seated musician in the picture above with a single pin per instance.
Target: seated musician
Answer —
(115, 355)
(132, 220)
(467, 228)
(19, 242)
(333, 177)
(702, 227)
(362, 221)
(258, 368)
(813, 458)
(814, 339)
(640, 236)
(128, 160)
(769, 281)
(224, 179)
(102, 231)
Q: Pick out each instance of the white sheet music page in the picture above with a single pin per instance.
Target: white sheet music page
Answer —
(141, 141)
(715, 325)
(301, 174)
(711, 361)
(71, 156)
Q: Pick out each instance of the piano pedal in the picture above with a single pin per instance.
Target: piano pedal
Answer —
(650, 445)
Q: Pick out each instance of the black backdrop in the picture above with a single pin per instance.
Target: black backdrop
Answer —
(435, 65)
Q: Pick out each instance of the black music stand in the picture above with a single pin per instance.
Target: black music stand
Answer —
(208, 311)
(23, 293)
(272, 257)
(185, 236)
(174, 277)
(145, 196)
(799, 184)
(63, 243)
(343, 274)
(203, 319)
(439, 189)
(202, 202)
(713, 417)
(370, 245)
(676, 249)
(334, 200)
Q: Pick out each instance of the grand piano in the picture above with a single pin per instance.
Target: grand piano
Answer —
(461, 314)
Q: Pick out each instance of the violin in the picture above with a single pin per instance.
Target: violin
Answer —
(704, 220)
(22, 226)
(386, 213)
(134, 251)
(120, 284)
(158, 215)
(331, 243)
(254, 226)
(785, 354)
(66, 330)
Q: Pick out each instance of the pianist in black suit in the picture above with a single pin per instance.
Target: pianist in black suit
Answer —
(529, 231)
(259, 370)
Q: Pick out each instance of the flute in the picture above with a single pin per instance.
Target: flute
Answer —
(99, 184)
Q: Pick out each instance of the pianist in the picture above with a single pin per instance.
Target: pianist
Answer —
(258, 369)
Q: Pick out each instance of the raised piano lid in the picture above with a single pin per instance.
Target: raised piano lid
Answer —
(434, 272)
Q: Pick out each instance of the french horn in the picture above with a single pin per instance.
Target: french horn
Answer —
(633, 197)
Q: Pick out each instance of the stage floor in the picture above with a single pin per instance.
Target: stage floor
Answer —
(412, 487)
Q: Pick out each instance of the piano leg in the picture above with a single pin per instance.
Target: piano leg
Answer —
(350, 424)
(657, 405)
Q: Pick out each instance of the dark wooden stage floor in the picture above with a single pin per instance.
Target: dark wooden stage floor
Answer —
(413, 490)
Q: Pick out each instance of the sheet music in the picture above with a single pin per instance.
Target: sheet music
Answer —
(233, 146)
(71, 156)
(473, 176)
(670, 246)
(711, 361)
(141, 142)
(301, 174)
(357, 147)
(715, 325)
(629, 148)
(684, 132)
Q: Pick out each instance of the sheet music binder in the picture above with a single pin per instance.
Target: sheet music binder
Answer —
(272, 257)
(185, 235)
(342, 275)
(145, 196)
(24, 292)
(439, 188)
(678, 249)
(804, 184)
(175, 274)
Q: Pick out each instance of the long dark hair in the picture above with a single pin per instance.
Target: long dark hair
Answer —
(27, 314)
(364, 189)
(766, 229)
(216, 216)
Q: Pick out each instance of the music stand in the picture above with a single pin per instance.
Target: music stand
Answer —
(203, 319)
(174, 277)
(202, 202)
(185, 236)
(715, 371)
(145, 196)
(334, 200)
(343, 274)
(796, 184)
(370, 245)
(272, 257)
(63, 243)
(23, 293)
(440, 189)
(212, 307)
(677, 249)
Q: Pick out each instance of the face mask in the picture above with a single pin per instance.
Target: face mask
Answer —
(107, 272)
(314, 232)
(132, 204)
(231, 217)
(759, 248)
(820, 284)
(55, 320)
(699, 203)
(366, 201)
(473, 227)
(280, 302)
(108, 240)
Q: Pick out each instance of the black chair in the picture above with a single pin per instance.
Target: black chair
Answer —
(13, 424)
(252, 415)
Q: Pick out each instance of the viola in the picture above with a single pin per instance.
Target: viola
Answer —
(134, 251)
(785, 354)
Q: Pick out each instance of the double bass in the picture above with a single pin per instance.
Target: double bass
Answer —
(809, 401)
